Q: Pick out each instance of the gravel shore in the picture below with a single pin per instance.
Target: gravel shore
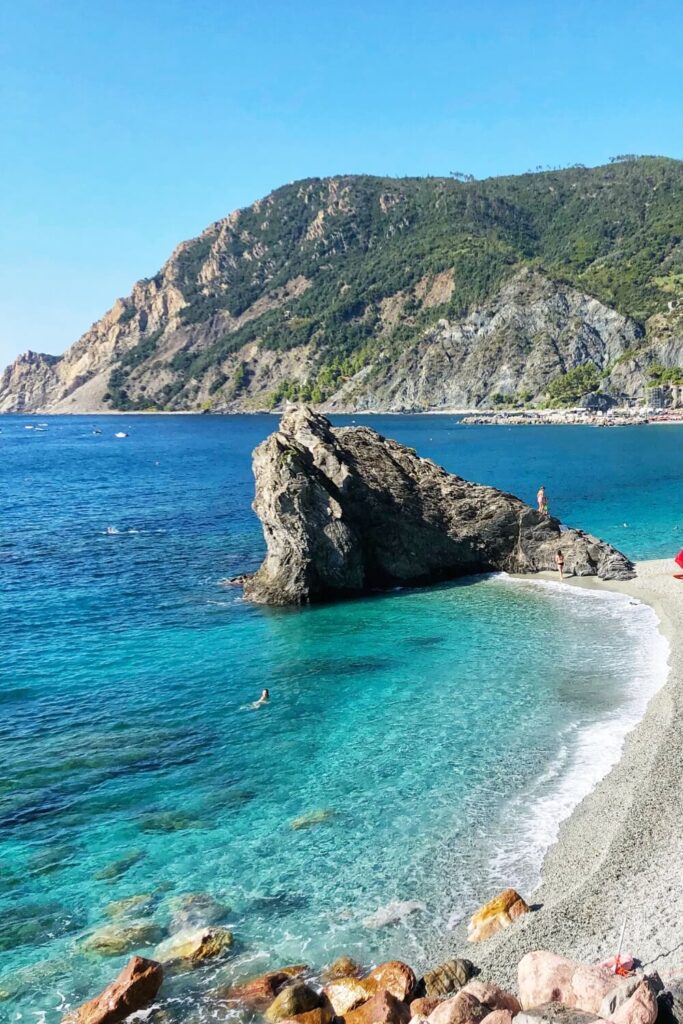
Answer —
(620, 853)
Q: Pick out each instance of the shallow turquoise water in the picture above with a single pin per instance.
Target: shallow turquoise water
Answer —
(442, 732)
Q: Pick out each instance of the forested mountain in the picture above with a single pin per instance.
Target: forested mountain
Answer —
(362, 292)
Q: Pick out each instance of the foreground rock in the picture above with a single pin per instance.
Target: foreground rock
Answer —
(293, 1001)
(382, 1008)
(134, 989)
(448, 977)
(259, 992)
(346, 511)
(498, 913)
(548, 978)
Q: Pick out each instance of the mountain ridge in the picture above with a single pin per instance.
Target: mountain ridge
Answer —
(361, 292)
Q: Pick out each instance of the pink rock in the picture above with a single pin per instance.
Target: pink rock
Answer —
(462, 1008)
(548, 978)
(498, 1017)
(492, 996)
(641, 1008)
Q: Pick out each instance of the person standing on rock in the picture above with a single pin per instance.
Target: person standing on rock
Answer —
(542, 499)
(559, 562)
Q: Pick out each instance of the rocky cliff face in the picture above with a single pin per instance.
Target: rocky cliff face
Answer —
(346, 511)
(376, 293)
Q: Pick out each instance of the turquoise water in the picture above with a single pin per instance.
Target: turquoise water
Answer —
(437, 735)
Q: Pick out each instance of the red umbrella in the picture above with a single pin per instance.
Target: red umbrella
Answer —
(679, 561)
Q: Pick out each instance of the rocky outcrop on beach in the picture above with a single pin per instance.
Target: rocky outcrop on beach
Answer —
(346, 511)
(134, 989)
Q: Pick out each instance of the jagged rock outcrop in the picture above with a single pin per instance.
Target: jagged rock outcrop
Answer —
(346, 511)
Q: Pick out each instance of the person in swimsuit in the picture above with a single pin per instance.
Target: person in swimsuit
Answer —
(559, 562)
(263, 699)
(541, 499)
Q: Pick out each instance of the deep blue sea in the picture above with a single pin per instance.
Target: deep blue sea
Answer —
(436, 737)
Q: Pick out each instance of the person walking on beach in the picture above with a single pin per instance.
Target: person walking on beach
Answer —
(542, 499)
(559, 562)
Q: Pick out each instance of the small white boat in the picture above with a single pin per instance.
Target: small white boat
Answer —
(120, 433)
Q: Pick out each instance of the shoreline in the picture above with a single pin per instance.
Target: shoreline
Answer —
(470, 417)
(618, 852)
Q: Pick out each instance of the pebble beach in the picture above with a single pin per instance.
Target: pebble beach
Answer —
(619, 854)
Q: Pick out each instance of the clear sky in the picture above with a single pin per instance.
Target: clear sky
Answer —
(129, 126)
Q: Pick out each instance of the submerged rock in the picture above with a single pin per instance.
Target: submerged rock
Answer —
(134, 989)
(392, 913)
(312, 818)
(196, 910)
(129, 905)
(346, 511)
(498, 913)
(119, 867)
(194, 945)
(112, 939)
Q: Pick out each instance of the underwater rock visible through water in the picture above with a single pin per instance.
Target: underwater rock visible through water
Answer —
(113, 939)
(312, 818)
(119, 867)
(392, 913)
(196, 910)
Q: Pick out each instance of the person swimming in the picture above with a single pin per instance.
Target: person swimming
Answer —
(263, 699)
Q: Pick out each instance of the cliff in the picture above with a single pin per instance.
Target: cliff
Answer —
(377, 293)
(346, 511)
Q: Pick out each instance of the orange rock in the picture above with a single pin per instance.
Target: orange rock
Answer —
(394, 976)
(348, 993)
(134, 989)
(342, 967)
(321, 1015)
(382, 1008)
(498, 913)
(258, 993)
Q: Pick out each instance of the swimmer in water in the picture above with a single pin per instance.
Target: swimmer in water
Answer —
(263, 699)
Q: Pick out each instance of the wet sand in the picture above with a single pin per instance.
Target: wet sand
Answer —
(620, 853)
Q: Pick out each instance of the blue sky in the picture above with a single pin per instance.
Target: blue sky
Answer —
(127, 127)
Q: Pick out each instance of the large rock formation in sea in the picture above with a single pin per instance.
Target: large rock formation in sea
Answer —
(346, 511)
(370, 293)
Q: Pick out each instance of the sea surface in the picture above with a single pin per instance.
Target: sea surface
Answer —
(426, 742)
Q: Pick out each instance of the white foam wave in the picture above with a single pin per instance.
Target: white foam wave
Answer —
(586, 753)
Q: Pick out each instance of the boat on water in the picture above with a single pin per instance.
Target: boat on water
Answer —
(120, 433)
